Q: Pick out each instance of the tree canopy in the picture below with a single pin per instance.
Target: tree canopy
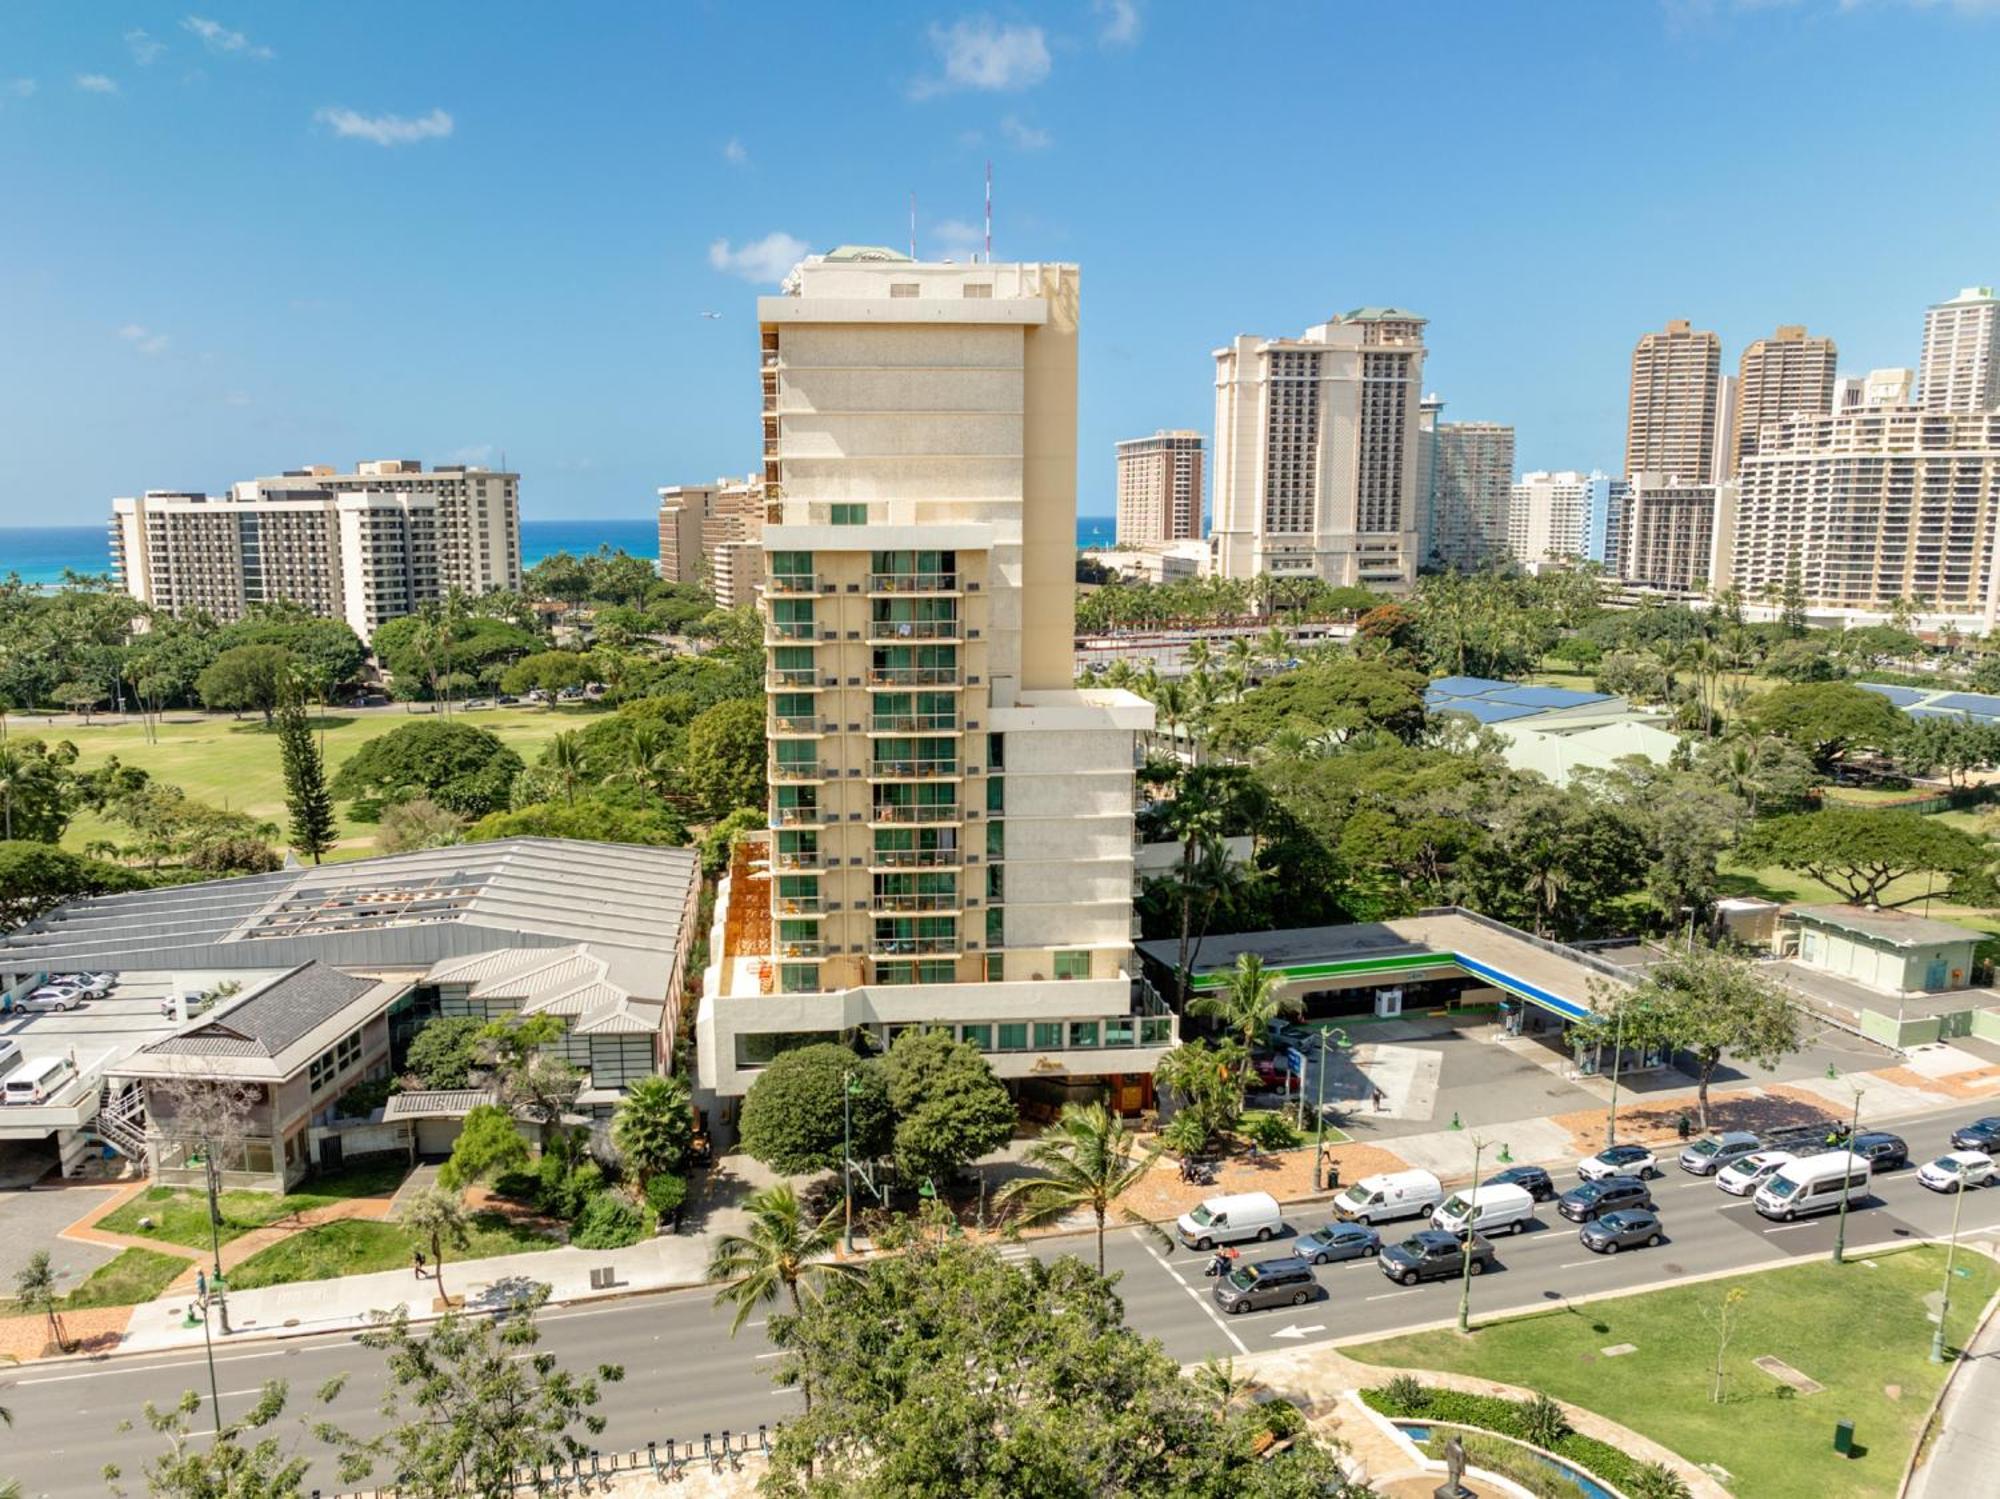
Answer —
(950, 1108)
(37, 877)
(1830, 721)
(461, 768)
(1859, 854)
(791, 1117)
(1332, 695)
(246, 678)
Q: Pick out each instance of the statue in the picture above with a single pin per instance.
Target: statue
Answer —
(1453, 1486)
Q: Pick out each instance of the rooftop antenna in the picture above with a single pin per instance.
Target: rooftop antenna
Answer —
(913, 224)
(989, 212)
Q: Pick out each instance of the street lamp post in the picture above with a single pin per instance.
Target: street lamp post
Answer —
(1319, 1107)
(1853, 1129)
(847, 1158)
(1465, 1269)
(1944, 1290)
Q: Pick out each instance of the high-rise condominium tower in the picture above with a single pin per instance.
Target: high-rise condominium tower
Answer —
(950, 837)
(1676, 535)
(1472, 481)
(1670, 426)
(1316, 451)
(711, 533)
(1782, 375)
(1159, 488)
(1564, 517)
(1961, 363)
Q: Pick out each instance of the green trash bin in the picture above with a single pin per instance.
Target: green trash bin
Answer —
(1843, 1438)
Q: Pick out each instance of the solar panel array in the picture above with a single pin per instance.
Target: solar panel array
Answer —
(1923, 702)
(1486, 701)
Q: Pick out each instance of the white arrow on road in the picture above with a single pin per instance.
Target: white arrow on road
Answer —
(1296, 1331)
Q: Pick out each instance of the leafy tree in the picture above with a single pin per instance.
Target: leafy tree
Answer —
(307, 800)
(534, 1082)
(1710, 1003)
(1333, 695)
(1203, 1078)
(450, 649)
(201, 1463)
(324, 652)
(461, 768)
(1246, 1004)
(1951, 745)
(1859, 854)
(1802, 661)
(1556, 861)
(1767, 774)
(792, 1115)
(1830, 720)
(591, 818)
(781, 1251)
(653, 1127)
(246, 677)
(79, 697)
(488, 1145)
(725, 758)
(38, 789)
(419, 823)
(950, 1108)
(445, 1051)
(1086, 1159)
(722, 837)
(471, 1402)
(35, 1291)
(435, 1215)
(37, 877)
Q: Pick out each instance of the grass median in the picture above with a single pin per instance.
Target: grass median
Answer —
(1861, 1330)
(357, 1246)
(181, 1217)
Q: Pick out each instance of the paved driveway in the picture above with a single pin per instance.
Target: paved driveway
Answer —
(31, 1221)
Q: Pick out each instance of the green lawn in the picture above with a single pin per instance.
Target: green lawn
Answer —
(358, 1246)
(233, 763)
(1861, 1330)
(182, 1217)
(136, 1275)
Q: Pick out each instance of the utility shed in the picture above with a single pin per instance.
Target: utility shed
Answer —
(1891, 952)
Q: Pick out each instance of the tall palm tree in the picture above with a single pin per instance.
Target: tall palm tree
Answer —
(783, 1251)
(565, 758)
(1088, 1159)
(1247, 1004)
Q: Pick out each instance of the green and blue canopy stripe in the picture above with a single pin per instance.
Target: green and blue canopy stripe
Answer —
(1404, 963)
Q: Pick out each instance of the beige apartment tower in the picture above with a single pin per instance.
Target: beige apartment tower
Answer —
(1670, 423)
(1473, 481)
(1318, 457)
(1677, 536)
(1787, 374)
(711, 533)
(950, 819)
(1961, 359)
(1160, 488)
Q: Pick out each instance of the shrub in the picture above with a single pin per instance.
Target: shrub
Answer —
(363, 1099)
(1543, 1422)
(1496, 1455)
(666, 1194)
(610, 1220)
(573, 1190)
(445, 1050)
(519, 1186)
(1405, 1396)
(1271, 1131)
(1186, 1133)
(1281, 1418)
(1655, 1481)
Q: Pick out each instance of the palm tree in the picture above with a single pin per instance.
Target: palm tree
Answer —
(1087, 1159)
(564, 757)
(1217, 1380)
(783, 1251)
(653, 1126)
(1248, 1003)
(645, 758)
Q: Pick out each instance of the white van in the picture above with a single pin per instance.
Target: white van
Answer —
(1496, 1208)
(1814, 1184)
(38, 1080)
(1393, 1194)
(1230, 1220)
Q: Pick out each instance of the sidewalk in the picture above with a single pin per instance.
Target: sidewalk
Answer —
(1966, 1455)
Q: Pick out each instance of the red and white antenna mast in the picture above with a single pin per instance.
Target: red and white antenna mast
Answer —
(989, 213)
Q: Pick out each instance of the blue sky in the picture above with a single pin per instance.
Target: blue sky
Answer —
(242, 238)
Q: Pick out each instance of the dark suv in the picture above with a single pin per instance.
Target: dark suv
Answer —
(1533, 1179)
(1607, 1194)
(1285, 1281)
(1882, 1150)
(1434, 1254)
(1981, 1134)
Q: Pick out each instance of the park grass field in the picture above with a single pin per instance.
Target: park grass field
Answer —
(233, 762)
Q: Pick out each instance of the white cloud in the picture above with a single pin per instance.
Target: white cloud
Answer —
(766, 260)
(478, 452)
(220, 39)
(978, 53)
(735, 152)
(145, 49)
(385, 130)
(144, 339)
(96, 83)
(956, 237)
(1121, 21)
(19, 88)
(1024, 135)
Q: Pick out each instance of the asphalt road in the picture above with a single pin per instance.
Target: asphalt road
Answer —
(684, 1375)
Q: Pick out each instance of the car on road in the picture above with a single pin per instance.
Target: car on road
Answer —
(1338, 1241)
(1633, 1228)
(55, 997)
(1605, 1195)
(1434, 1254)
(1746, 1174)
(1882, 1150)
(1287, 1280)
(1618, 1160)
(1534, 1179)
(1230, 1219)
(1956, 1170)
(474, 704)
(1981, 1134)
(1711, 1153)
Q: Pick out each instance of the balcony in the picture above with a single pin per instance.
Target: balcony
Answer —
(915, 858)
(913, 723)
(795, 583)
(791, 629)
(905, 904)
(794, 770)
(913, 676)
(801, 949)
(913, 582)
(893, 631)
(912, 947)
(914, 814)
(912, 770)
(795, 817)
(791, 676)
(795, 723)
(814, 860)
(798, 905)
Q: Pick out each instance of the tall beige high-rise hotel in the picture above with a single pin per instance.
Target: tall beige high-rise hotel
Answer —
(1784, 375)
(1159, 488)
(950, 818)
(1318, 469)
(1670, 424)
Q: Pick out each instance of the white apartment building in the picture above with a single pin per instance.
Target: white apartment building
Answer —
(1566, 516)
(1317, 452)
(1472, 466)
(1670, 425)
(1874, 504)
(951, 821)
(362, 552)
(1160, 488)
(711, 533)
(1675, 535)
(1960, 370)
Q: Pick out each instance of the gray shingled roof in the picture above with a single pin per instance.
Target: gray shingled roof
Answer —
(442, 1103)
(273, 1018)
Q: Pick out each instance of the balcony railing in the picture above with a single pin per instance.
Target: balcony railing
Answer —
(914, 814)
(795, 817)
(911, 947)
(791, 629)
(913, 582)
(793, 583)
(916, 858)
(913, 723)
(794, 770)
(811, 949)
(783, 860)
(791, 676)
(913, 676)
(913, 629)
(798, 905)
(795, 723)
(907, 903)
(911, 770)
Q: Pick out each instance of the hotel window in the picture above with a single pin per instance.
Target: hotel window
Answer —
(794, 568)
(1013, 1036)
(996, 840)
(996, 751)
(980, 1036)
(1072, 965)
(996, 794)
(996, 967)
(1048, 1035)
(1083, 1034)
(902, 288)
(798, 978)
(996, 928)
(850, 515)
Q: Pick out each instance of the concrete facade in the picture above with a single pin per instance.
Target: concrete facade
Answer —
(1471, 493)
(1891, 952)
(1778, 376)
(1676, 535)
(1961, 358)
(712, 534)
(1670, 423)
(1160, 488)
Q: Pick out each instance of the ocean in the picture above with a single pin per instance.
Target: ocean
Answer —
(41, 553)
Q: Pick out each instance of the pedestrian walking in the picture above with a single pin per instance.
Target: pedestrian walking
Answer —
(418, 1256)
(1378, 1099)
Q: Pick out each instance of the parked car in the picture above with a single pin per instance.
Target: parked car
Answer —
(1981, 1134)
(1230, 1219)
(1618, 1160)
(1285, 1281)
(1745, 1175)
(507, 700)
(1389, 1195)
(473, 704)
(1338, 1241)
(1534, 1179)
(1883, 1151)
(94, 985)
(1711, 1153)
(1957, 1170)
(1488, 1210)
(1608, 1194)
(1628, 1229)
(37, 1080)
(1434, 1254)
(55, 997)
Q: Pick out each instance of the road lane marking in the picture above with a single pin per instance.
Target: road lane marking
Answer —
(1200, 1299)
(192, 1363)
(1406, 1291)
(1785, 1228)
(1596, 1259)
